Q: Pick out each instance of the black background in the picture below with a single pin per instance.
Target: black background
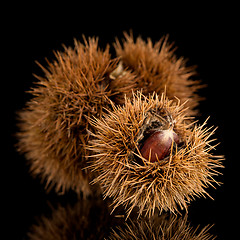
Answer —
(205, 35)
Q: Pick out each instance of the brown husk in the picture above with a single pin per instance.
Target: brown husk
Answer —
(134, 181)
(55, 123)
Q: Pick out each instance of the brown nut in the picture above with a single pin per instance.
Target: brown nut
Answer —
(158, 145)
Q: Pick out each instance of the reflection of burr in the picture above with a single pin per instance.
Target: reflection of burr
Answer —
(86, 219)
(91, 219)
(163, 227)
(174, 178)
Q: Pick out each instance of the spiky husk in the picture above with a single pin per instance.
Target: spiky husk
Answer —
(54, 125)
(136, 182)
(156, 67)
(162, 227)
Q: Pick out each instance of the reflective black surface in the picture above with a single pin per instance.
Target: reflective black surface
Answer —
(205, 38)
(91, 219)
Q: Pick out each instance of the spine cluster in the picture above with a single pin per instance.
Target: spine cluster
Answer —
(122, 127)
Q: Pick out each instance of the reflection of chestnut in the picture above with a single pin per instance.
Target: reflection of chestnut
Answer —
(158, 145)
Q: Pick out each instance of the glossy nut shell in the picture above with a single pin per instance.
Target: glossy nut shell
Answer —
(158, 145)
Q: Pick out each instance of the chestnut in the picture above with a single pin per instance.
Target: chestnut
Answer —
(158, 144)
